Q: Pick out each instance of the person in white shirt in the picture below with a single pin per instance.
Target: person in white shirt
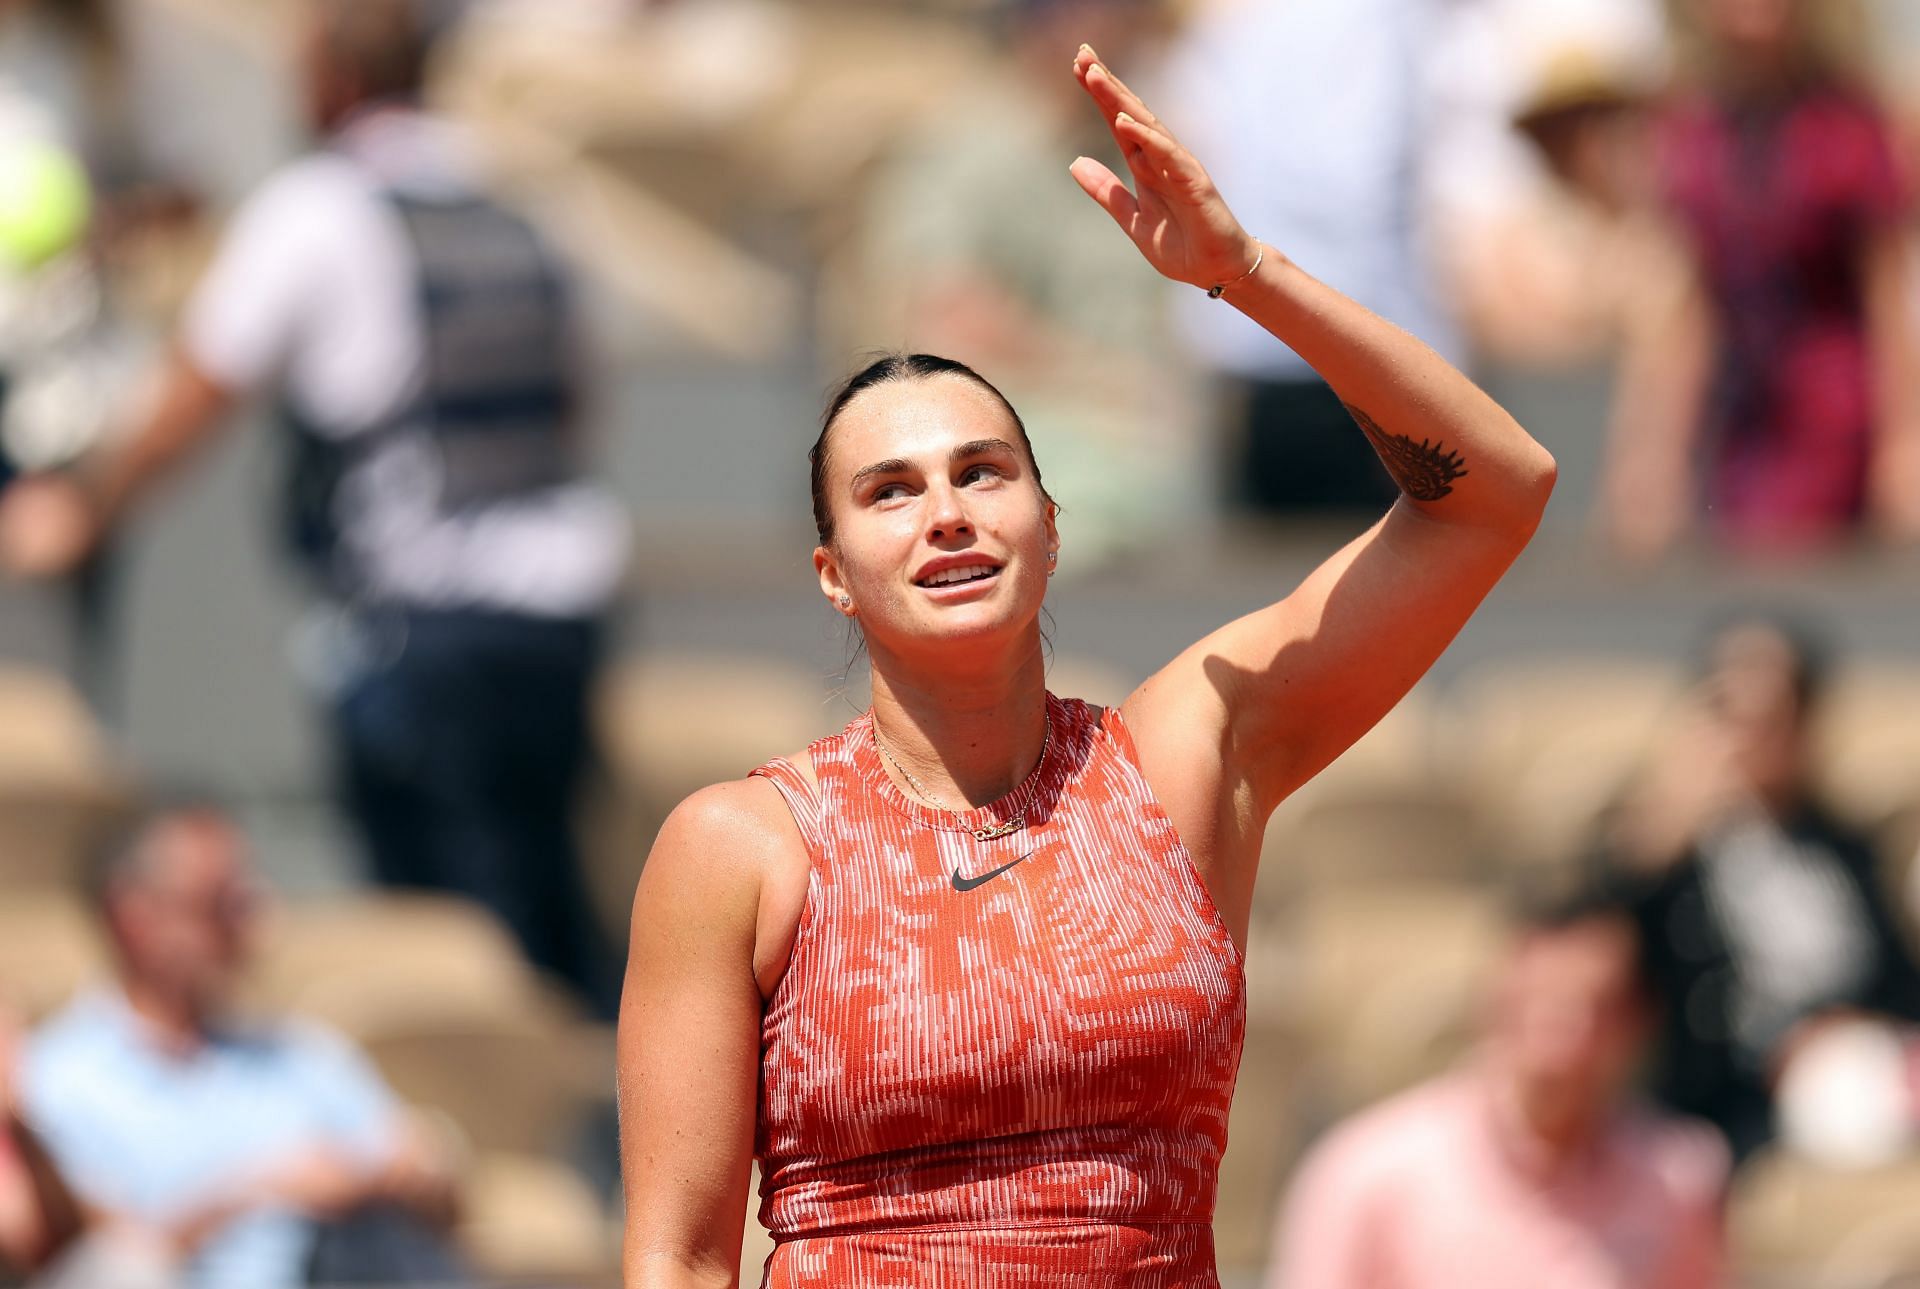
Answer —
(416, 334)
(1342, 176)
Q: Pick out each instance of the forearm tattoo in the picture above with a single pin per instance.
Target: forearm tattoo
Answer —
(1425, 470)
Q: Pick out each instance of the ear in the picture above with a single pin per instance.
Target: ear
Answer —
(1053, 527)
(832, 585)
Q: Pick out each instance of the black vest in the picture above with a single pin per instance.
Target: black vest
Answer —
(496, 398)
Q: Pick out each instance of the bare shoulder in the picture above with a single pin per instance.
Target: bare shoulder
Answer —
(1183, 705)
(1178, 721)
(729, 866)
(717, 838)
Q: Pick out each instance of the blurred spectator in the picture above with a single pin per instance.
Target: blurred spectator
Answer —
(1524, 1167)
(251, 1149)
(37, 1212)
(1773, 382)
(1764, 913)
(973, 247)
(1562, 235)
(419, 333)
(1341, 177)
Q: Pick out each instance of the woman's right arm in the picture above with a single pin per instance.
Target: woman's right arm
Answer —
(689, 1037)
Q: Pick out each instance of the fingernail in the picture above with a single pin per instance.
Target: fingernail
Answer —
(1124, 117)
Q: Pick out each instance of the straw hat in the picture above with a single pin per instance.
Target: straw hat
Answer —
(1578, 54)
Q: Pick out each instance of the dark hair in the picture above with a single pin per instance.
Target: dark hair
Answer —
(1545, 904)
(383, 44)
(1558, 900)
(883, 370)
(1809, 653)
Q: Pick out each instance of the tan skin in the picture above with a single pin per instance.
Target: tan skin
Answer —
(923, 471)
(1567, 1023)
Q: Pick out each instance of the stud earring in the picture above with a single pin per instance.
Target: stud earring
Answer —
(846, 601)
(1053, 559)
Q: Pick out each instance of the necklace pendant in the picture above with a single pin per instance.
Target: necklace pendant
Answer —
(1012, 825)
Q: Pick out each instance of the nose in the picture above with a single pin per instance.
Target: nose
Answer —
(947, 514)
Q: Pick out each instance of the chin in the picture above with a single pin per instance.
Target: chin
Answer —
(964, 626)
(966, 630)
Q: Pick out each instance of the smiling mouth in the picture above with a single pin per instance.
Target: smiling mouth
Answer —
(958, 576)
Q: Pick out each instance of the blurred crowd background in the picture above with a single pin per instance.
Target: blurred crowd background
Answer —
(315, 855)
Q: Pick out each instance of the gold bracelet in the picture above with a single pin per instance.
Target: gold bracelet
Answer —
(1219, 289)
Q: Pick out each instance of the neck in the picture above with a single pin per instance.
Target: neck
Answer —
(969, 733)
(173, 1021)
(1763, 76)
(1547, 1130)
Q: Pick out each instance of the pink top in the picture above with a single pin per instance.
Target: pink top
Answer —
(1003, 1061)
(1427, 1192)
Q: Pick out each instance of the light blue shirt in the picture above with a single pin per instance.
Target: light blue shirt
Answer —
(1315, 118)
(139, 1130)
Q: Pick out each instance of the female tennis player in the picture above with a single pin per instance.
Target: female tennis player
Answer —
(966, 977)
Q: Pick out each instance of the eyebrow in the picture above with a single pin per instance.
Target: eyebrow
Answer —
(898, 465)
(892, 465)
(981, 447)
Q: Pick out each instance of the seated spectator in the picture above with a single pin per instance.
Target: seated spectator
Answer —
(1763, 912)
(37, 1214)
(242, 1144)
(1524, 1167)
(1563, 239)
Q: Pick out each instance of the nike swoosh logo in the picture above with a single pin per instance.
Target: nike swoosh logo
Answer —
(964, 884)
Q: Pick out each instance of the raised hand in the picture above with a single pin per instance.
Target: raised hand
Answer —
(1174, 214)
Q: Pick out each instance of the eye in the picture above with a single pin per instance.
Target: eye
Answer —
(888, 491)
(979, 470)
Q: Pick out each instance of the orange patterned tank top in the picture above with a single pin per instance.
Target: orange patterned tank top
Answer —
(1004, 1062)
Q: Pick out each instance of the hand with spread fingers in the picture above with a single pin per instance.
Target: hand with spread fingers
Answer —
(1174, 214)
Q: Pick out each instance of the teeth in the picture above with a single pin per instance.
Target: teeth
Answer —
(966, 573)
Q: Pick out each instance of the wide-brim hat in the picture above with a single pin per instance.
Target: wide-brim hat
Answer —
(1586, 75)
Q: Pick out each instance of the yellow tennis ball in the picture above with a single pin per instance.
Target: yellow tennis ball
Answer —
(45, 201)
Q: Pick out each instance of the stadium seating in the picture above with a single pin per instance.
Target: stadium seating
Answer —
(1310, 840)
(59, 786)
(49, 948)
(411, 954)
(1869, 740)
(1547, 746)
(1359, 835)
(1797, 1223)
(1262, 1140)
(670, 725)
(532, 1220)
(1389, 977)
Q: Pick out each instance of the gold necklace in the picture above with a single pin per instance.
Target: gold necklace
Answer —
(1011, 825)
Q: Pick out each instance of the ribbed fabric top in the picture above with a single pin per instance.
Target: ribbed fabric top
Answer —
(1002, 1061)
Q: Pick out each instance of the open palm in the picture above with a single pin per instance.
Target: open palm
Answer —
(1174, 214)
